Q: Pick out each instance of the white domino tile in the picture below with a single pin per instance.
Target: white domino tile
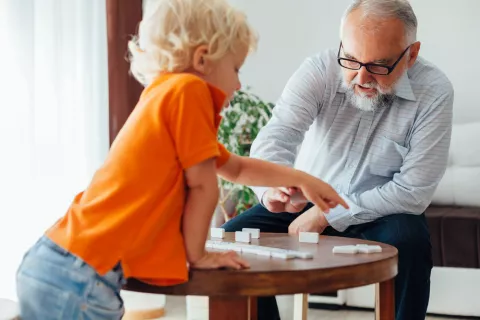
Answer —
(241, 236)
(282, 255)
(250, 249)
(254, 232)
(359, 248)
(261, 252)
(217, 233)
(309, 237)
(302, 254)
(345, 249)
(369, 249)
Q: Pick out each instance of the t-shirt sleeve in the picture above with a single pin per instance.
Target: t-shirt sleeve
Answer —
(224, 155)
(192, 124)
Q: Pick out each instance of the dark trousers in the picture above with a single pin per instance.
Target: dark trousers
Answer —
(407, 232)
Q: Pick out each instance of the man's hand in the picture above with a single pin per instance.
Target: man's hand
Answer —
(278, 200)
(312, 220)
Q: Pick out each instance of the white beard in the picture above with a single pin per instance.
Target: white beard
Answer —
(383, 99)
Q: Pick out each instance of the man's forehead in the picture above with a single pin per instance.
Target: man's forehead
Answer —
(375, 38)
(373, 44)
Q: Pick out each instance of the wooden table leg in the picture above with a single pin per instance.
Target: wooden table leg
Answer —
(300, 306)
(252, 306)
(232, 308)
(385, 300)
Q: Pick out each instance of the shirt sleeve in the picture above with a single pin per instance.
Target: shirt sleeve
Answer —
(292, 116)
(192, 125)
(224, 155)
(411, 189)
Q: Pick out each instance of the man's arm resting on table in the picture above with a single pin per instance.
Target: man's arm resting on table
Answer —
(411, 189)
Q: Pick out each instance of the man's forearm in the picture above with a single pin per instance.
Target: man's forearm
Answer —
(377, 203)
(199, 208)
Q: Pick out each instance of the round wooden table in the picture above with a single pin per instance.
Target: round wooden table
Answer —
(232, 293)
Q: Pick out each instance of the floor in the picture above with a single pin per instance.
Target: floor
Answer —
(175, 310)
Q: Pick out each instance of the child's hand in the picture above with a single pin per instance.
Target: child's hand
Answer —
(320, 193)
(216, 260)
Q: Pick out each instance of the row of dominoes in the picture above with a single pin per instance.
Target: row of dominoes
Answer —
(260, 250)
(359, 248)
(247, 234)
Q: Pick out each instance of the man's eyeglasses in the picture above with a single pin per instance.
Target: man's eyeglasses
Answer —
(371, 67)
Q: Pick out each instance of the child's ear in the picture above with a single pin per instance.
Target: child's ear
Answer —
(200, 64)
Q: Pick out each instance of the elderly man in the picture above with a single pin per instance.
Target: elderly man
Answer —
(373, 119)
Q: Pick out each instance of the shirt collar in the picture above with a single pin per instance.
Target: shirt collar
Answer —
(404, 87)
(218, 97)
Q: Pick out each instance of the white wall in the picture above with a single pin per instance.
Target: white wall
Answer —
(292, 30)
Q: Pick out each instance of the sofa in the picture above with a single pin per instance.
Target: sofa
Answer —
(454, 217)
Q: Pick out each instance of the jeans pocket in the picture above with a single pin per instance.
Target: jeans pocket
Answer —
(103, 302)
(41, 300)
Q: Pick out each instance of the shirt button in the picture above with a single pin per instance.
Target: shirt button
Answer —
(83, 307)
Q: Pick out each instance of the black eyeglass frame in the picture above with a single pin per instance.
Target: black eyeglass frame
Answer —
(368, 65)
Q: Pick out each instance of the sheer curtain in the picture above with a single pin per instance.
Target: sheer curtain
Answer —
(53, 116)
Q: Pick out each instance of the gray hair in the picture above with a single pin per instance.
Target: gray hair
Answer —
(400, 9)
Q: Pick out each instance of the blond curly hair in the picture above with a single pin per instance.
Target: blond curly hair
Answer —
(171, 30)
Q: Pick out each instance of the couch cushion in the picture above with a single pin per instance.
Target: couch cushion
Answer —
(455, 236)
(461, 182)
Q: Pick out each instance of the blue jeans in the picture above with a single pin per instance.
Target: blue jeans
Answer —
(52, 284)
(407, 232)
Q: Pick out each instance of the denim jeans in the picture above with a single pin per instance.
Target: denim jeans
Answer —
(53, 284)
(407, 232)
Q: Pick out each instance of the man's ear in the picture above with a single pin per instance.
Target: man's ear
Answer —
(414, 49)
(199, 63)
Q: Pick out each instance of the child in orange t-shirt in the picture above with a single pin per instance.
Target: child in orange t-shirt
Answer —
(147, 210)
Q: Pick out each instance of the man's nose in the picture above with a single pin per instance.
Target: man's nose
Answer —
(363, 76)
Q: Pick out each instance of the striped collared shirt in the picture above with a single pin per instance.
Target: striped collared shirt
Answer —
(381, 162)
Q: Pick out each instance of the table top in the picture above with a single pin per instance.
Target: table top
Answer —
(326, 272)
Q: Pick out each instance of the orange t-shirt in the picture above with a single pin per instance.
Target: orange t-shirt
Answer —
(132, 209)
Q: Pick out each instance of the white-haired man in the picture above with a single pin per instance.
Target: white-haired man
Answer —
(374, 120)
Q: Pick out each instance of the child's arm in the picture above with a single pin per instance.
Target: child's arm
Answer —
(255, 172)
(202, 198)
